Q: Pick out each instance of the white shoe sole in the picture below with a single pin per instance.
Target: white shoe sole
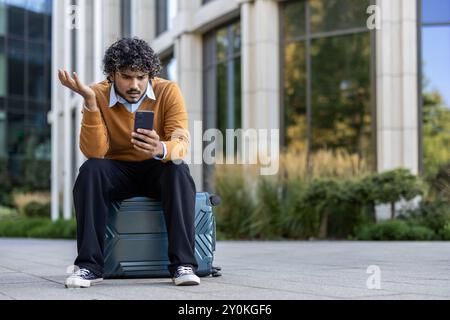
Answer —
(187, 280)
(80, 283)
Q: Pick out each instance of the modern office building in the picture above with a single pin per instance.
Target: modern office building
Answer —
(25, 67)
(329, 74)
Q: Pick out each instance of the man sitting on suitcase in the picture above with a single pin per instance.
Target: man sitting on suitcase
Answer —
(123, 164)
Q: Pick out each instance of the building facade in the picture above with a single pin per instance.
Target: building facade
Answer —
(25, 66)
(368, 77)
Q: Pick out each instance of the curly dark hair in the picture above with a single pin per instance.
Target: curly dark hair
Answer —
(131, 54)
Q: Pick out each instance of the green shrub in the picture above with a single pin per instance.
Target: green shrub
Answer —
(436, 215)
(58, 230)
(395, 230)
(5, 184)
(444, 233)
(37, 175)
(296, 206)
(234, 213)
(38, 228)
(265, 220)
(391, 187)
(299, 221)
(323, 195)
(7, 213)
(37, 210)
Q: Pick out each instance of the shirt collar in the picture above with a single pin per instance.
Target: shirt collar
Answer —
(114, 98)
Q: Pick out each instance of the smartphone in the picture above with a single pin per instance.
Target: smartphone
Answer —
(143, 120)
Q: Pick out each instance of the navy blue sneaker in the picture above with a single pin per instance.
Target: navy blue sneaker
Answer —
(185, 276)
(82, 278)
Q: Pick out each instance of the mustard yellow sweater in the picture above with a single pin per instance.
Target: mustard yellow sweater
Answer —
(107, 134)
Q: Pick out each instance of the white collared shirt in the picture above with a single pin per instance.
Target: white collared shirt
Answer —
(114, 98)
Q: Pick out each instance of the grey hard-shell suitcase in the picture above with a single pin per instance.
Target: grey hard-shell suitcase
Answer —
(136, 241)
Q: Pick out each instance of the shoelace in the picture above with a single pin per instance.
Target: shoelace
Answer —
(184, 270)
(82, 272)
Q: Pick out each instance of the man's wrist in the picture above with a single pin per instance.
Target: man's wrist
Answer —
(162, 151)
(91, 104)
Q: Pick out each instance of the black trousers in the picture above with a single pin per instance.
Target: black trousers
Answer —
(100, 181)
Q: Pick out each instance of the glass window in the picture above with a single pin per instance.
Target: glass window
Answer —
(295, 115)
(332, 15)
(36, 70)
(295, 19)
(25, 40)
(2, 74)
(166, 10)
(3, 148)
(224, 61)
(38, 129)
(125, 13)
(16, 21)
(435, 85)
(16, 145)
(39, 6)
(340, 78)
(222, 85)
(3, 17)
(169, 70)
(328, 78)
(16, 67)
(36, 25)
(435, 11)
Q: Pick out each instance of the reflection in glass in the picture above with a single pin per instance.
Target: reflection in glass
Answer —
(25, 64)
(222, 87)
(3, 16)
(295, 19)
(436, 97)
(169, 70)
(37, 132)
(295, 96)
(36, 25)
(435, 11)
(222, 45)
(36, 68)
(166, 12)
(3, 151)
(16, 144)
(2, 74)
(341, 116)
(16, 21)
(332, 15)
(16, 67)
(436, 61)
(327, 78)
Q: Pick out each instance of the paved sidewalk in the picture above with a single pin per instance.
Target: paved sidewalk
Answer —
(35, 269)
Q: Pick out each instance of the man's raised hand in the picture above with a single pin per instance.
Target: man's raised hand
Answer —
(77, 86)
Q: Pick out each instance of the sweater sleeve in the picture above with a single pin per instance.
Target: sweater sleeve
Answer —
(176, 123)
(94, 142)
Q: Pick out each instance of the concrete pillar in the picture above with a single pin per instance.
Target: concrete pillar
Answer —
(188, 53)
(397, 87)
(261, 66)
(145, 16)
(112, 24)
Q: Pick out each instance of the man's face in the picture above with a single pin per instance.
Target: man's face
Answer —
(131, 85)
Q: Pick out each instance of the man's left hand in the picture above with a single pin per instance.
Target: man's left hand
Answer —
(150, 143)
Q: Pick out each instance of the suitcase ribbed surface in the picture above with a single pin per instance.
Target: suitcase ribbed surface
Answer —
(136, 239)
